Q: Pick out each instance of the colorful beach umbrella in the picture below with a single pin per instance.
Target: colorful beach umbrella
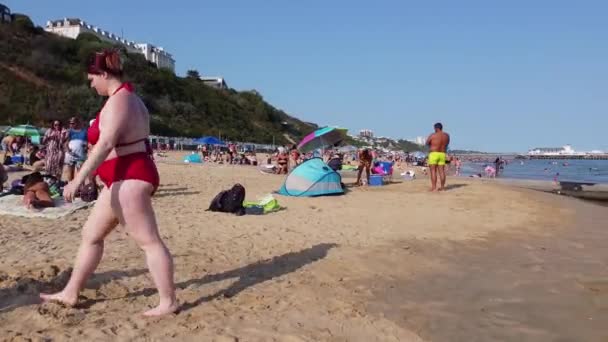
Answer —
(24, 131)
(209, 141)
(321, 138)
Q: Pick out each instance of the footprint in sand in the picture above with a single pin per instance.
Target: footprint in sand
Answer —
(599, 291)
(60, 314)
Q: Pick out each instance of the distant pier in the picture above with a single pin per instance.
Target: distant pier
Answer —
(570, 157)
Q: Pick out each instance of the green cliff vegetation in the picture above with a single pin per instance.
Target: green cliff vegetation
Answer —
(42, 78)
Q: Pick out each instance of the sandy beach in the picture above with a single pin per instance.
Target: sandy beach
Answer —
(479, 262)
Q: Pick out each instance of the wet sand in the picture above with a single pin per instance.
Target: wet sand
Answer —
(394, 263)
(547, 285)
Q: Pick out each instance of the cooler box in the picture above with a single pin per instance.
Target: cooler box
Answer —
(375, 180)
(387, 167)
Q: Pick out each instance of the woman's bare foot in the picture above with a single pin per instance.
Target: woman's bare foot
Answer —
(162, 309)
(59, 297)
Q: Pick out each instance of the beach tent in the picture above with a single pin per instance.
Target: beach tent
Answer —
(193, 158)
(312, 178)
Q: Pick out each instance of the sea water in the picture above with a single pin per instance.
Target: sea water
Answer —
(589, 171)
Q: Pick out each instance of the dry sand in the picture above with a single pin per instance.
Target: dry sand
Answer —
(392, 263)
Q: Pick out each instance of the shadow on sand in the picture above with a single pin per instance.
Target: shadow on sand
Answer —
(176, 193)
(251, 274)
(454, 186)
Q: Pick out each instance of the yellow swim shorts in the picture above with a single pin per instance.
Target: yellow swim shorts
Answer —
(437, 158)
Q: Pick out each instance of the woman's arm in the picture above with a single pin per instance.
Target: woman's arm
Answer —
(113, 120)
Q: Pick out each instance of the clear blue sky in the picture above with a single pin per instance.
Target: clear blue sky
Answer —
(501, 76)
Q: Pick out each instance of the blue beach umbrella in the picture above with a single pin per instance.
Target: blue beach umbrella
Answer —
(209, 141)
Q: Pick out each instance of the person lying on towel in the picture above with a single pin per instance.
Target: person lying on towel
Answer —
(36, 193)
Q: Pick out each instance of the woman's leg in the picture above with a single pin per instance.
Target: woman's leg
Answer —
(100, 222)
(132, 204)
(29, 197)
(359, 172)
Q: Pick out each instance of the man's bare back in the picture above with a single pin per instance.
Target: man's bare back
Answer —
(438, 141)
(438, 144)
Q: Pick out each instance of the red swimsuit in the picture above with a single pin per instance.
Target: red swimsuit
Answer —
(138, 165)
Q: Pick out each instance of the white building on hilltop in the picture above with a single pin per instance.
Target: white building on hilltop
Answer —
(366, 133)
(215, 82)
(72, 27)
(157, 55)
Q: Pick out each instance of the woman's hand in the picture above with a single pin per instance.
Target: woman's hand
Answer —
(69, 191)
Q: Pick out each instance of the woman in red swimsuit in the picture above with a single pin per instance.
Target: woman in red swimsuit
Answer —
(121, 159)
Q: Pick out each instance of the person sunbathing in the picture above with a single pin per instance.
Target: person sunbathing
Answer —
(36, 158)
(36, 193)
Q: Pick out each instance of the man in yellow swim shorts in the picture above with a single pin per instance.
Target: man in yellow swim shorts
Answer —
(438, 143)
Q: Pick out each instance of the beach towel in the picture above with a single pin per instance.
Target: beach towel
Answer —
(349, 168)
(265, 205)
(13, 205)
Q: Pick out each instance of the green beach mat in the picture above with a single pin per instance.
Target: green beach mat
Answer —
(349, 168)
(266, 205)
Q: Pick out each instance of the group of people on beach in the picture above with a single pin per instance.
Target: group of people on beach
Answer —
(60, 154)
(232, 156)
(121, 157)
(436, 161)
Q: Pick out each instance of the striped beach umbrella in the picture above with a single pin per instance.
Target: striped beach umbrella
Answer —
(321, 138)
(23, 130)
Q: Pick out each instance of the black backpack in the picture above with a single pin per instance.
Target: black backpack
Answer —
(229, 201)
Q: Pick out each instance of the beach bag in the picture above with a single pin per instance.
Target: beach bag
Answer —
(88, 192)
(229, 201)
(55, 186)
(267, 204)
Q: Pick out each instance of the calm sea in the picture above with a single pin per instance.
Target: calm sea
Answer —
(592, 171)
